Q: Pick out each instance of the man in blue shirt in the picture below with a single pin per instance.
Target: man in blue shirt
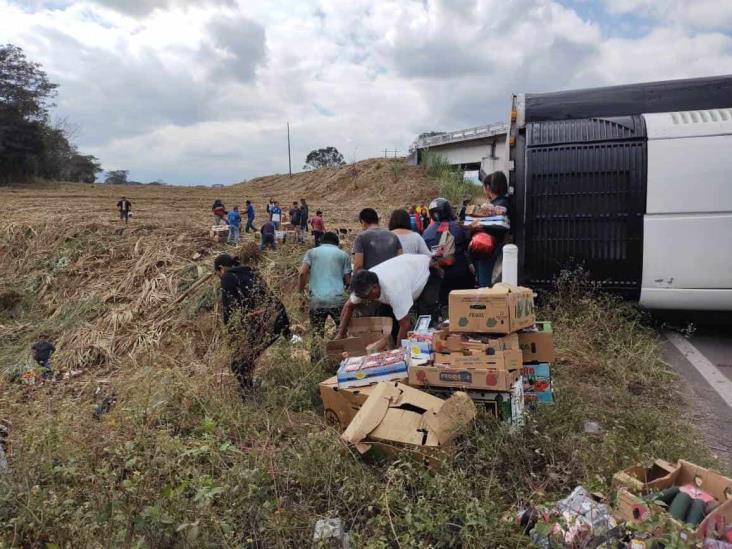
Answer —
(250, 217)
(234, 219)
(328, 269)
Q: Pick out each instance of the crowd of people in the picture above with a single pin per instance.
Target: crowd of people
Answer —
(408, 268)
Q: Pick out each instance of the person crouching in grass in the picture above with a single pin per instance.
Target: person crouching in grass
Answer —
(253, 315)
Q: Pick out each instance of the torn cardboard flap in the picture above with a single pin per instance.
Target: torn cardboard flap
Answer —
(397, 413)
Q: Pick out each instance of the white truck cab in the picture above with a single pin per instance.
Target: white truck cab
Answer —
(687, 229)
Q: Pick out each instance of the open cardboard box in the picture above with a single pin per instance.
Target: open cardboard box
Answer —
(462, 378)
(341, 405)
(365, 335)
(398, 414)
(661, 475)
(502, 309)
(537, 342)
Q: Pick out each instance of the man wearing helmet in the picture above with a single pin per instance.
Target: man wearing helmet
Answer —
(448, 240)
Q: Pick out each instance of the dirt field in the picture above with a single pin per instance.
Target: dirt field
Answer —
(176, 459)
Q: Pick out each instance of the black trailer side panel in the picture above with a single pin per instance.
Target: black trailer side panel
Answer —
(672, 95)
(585, 198)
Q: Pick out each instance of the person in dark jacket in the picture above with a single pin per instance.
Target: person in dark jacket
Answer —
(304, 215)
(458, 269)
(125, 207)
(253, 315)
(41, 352)
(250, 217)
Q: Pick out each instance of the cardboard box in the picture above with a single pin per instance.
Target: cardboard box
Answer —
(640, 479)
(341, 405)
(398, 414)
(537, 342)
(358, 371)
(537, 370)
(499, 360)
(502, 309)
(362, 332)
(445, 341)
(465, 378)
(532, 399)
(220, 233)
(632, 508)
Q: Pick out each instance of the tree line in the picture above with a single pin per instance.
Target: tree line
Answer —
(31, 145)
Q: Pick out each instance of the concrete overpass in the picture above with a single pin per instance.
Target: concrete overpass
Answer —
(471, 148)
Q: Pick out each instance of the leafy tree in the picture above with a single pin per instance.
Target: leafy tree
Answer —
(323, 158)
(116, 177)
(24, 86)
(29, 144)
(84, 168)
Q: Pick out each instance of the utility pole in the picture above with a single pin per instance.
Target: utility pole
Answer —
(289, 151)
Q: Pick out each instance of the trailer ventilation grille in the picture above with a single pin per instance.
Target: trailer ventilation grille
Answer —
(585, 200)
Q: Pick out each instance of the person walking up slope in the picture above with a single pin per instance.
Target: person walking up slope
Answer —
(318, 225)
(250, 217)
(234, 219)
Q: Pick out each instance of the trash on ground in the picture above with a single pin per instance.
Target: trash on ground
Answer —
(571, 522)
(330, 533)
(397, 413)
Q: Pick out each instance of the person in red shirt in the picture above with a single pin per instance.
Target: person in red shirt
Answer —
(318, 226)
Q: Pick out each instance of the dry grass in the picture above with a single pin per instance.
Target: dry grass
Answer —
(180, 460)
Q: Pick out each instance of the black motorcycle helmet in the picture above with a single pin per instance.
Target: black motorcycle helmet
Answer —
(441, 210)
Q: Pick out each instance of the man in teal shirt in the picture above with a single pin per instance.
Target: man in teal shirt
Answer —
(328, 269)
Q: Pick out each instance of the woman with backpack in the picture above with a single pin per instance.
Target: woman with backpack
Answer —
(253, 315)
(448, 240)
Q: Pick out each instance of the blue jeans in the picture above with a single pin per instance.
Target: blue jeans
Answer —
(484, 271)
(250, 225)
(233, 234)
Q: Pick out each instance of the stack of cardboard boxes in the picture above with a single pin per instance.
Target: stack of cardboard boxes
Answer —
(480, 352)
(537, 349)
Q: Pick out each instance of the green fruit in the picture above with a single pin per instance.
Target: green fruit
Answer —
(490, 322)
(463, 322)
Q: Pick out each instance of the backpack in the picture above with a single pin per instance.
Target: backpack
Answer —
(445, 249)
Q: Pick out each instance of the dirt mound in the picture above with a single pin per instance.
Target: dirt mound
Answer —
(379, 183)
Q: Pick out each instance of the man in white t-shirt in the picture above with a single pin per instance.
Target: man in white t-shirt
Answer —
(398, 284)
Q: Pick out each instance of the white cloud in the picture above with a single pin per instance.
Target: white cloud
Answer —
(200, 92)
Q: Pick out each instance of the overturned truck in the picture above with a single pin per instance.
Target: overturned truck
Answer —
(633, 183)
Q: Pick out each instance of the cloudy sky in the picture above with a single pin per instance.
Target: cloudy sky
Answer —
(195, 91)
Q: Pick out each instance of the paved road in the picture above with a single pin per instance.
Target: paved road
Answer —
(704, 361)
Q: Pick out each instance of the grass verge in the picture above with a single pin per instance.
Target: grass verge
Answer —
(182, 461)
